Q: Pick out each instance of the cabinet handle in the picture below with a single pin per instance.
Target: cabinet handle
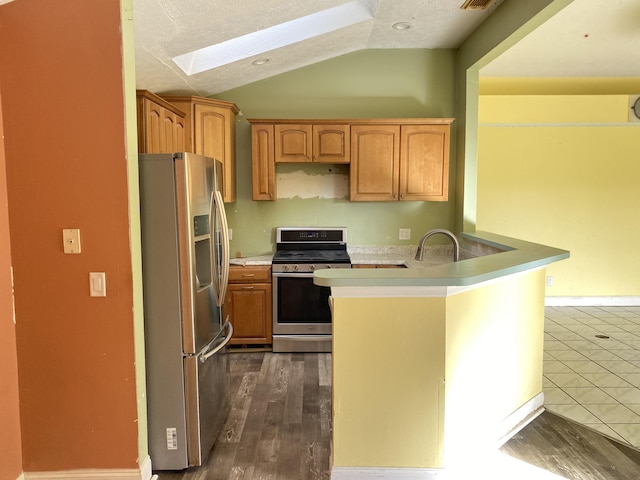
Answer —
(248, 274)
(247, 288)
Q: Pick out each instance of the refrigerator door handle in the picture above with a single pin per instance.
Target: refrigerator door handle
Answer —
(221, 265)
(227, 324)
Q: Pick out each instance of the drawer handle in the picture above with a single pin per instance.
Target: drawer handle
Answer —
(247, 288)
(248, 274)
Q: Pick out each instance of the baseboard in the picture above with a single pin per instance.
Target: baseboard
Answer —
(143, 473)
(507, 429)
(371, 473)
(520, 419)
(626, 301)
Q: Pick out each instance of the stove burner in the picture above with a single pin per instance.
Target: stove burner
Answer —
(311, 256)
(308, 249)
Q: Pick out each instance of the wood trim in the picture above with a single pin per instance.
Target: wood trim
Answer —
(213, 102)
(355, 121)
(160, 101)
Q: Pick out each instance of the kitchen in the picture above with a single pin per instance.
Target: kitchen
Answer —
(118, 433)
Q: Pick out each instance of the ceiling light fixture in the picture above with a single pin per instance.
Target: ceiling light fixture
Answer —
(252, 44)
(401, 26)
(260, 61)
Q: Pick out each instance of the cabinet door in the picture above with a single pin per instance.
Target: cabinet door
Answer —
(374, 169)
(249, 309)
(424, 162)
(292, 143)
(331, 143)
(214, 136)
(161, 128)
(179, 135)
(155, 128)
(262, 162)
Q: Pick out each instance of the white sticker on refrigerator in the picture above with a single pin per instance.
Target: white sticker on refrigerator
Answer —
(172, 439)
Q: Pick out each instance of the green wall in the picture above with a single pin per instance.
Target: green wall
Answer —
(366, 84)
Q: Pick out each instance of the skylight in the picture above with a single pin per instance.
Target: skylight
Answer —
(281, 35)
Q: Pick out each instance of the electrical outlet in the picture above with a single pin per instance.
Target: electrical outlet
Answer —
(405, 234)
(549, 281)
(230, 234)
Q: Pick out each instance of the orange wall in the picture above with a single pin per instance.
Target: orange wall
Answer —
(10, 459)
(62, 93)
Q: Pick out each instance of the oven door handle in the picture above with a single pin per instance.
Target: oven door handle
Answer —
(293, 274)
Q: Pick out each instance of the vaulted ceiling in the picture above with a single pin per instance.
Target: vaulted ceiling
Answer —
(255, 39)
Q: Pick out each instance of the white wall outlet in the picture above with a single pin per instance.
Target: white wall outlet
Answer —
(405, 234)
(71, 240)
(97, 284)
(549, 281)
(230, 230)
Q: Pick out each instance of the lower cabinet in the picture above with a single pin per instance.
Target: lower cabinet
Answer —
(248, 305)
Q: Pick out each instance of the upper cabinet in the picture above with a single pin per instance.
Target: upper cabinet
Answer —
(300, 143)
(211, 131)
(263, 168)
(161, 126)
(399, 162)
(375, 162)
(424, 162)
(390, 159)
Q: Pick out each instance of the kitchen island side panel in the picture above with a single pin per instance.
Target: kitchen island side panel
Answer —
(388, 382)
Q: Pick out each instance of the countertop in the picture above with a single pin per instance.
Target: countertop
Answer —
(373, 255)
(515, 256)
(252, 261)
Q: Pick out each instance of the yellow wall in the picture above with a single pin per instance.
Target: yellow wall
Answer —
(388, 371)
(418, 382)
(563, 170)
(494, 351)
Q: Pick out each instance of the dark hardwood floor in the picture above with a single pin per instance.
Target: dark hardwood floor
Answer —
(280, 428)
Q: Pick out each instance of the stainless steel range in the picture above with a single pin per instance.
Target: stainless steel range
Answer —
(301, 313)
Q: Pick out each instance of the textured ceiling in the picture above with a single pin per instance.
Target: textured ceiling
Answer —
(168, 28)
(588, 38)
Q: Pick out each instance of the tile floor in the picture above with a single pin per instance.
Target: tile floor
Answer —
(591, 379)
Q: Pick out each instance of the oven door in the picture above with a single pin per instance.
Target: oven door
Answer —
(300, 306)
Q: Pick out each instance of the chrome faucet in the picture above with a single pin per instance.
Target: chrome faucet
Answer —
(456, 245)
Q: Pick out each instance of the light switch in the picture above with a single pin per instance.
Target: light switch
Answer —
(71, 240)
(97, 284)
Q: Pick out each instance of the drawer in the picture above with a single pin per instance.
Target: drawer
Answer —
(256, 274)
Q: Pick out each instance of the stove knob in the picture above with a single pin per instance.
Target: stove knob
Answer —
(312, 268)
(285, 268)
(295, 268)
(328, 266)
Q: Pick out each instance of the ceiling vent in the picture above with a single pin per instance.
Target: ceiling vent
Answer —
(475, 4)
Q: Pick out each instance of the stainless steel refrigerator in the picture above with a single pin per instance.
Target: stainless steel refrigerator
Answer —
(185, 266)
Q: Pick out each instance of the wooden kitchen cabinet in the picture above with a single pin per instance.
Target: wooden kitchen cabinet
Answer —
(375, 162)
(390, 159)
(161, 125)
(248, 305)
(211, 131)
(302, 143)
(263, 168)
(400, 162)
(424, 162)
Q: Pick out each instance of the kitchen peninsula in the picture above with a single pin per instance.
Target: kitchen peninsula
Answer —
(434, 365)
